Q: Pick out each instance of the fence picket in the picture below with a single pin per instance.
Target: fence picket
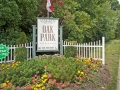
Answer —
(94, 49)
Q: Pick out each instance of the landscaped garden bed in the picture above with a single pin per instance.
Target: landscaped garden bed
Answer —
(54, 72)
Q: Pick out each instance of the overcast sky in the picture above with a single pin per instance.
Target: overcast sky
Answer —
(119, 1)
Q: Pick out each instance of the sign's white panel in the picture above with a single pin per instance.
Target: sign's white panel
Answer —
(47, 34)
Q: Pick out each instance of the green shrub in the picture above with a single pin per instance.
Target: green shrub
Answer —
(20, 54)
(70, 51)
(22, 38)
(9, 36)
(62, 69)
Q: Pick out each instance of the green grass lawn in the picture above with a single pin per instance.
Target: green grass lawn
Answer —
(112, 52)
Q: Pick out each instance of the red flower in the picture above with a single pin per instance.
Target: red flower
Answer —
(49, 76)
(54, 80)
(61, 83)
(34, 81)
(51, 84)
(45, 67)
(88, 69)
(29, 87)
(62, 86)
(9, 83)
(77, 83)
(57, 84)
(1, 89)
(81, 79)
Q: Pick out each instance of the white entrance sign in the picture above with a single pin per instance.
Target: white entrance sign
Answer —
(47, 34)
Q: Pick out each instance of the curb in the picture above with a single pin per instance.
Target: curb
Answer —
(118, 80)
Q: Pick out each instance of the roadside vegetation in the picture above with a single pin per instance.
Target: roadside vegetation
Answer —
(112, 61)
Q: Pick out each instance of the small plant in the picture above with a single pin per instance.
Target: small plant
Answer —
(70, 51)
(9, 65)
(6, 86)
(85, 73)
(20, 54)
(45, 82)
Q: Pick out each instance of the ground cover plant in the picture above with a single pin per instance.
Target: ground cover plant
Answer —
(49, 72)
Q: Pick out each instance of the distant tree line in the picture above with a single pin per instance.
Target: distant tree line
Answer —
(82, 20)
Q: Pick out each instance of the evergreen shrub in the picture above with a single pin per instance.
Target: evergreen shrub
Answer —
(70, 51)
(20, 54)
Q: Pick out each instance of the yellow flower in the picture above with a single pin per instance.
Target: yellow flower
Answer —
(7, 81)
(82, 73)
(35, 89)
(78, 71)
(43, 88)
(2, 65)
(41, 84)
(4, 84)
(44, 76)
(6, 66)
(16, 64)
(43, 81)
(38, 85)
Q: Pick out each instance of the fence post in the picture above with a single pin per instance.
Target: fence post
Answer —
(34, 41)
(103, 50)
(61, 41)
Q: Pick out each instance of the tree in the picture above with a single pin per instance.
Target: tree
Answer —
(9, 15)
(82, 20)
(17, 16)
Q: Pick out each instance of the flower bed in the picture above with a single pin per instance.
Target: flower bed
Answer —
(48, 72)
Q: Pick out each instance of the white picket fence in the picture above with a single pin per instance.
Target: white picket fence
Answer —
(11, 57)
(94, 50)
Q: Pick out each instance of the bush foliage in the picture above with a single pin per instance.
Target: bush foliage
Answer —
(70, 51)
(22, 38)
(20, 54)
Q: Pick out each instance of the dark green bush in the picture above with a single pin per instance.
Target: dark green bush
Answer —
(20, 54)
(70, 51)
(9, 36)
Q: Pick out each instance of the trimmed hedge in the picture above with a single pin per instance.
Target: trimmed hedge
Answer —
(70, 51)
(20, 54)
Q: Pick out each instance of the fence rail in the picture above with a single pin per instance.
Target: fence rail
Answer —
(94, 50)
(11, 56)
